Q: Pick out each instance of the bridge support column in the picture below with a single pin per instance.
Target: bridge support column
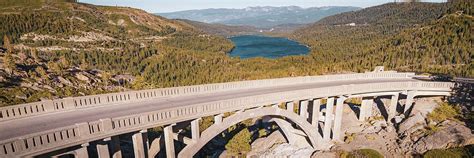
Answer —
(290, 106)
(366, 108)
(304, 108)
(409, 103)
(315, 113)
(338, 119)
(195, 129)
(328, 119)
(82, 152)
(115, 147)
(218, 119)
(169, 141)
(393, 107)
(140, 144)
(103, 148)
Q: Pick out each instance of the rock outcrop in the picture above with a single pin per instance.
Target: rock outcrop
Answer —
(275, 146)
(452, 134)
(262, 145)
(407, 136)
(288, 151)
(411, 124)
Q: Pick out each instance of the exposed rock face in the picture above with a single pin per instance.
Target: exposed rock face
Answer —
(288, 151)
(275, 146)
(452, 134)
(412, 124)
(261, 145)
(408, 136)
(324, 155)
(384, 141)
(62, 80)
(425, 105)
(82, 77)
(375, 126)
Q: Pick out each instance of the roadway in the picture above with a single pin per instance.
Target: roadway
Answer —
(24, 126)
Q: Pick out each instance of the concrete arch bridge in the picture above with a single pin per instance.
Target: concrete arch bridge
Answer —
(55, 128)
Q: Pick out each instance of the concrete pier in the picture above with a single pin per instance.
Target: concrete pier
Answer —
(290, 106)
(338, 119)
(328, 119)
(218, 119)
(366, 108)
(82, 152)
(140, 144)
(409, 102)
(392, 112)
(315, 112)
(103, 148)
(169, 141)
(304, 108)
(195, 129)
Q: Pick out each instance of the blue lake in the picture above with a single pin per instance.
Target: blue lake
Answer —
(250, 46)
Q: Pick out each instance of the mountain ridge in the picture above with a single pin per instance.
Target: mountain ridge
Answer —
(261, 16)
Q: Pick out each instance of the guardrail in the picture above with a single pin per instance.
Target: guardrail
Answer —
(48, 106)
(43, 142)
(464, 80)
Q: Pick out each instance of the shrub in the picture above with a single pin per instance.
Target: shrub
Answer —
(464, 152)
(365, 153)
(342, 153)
(431, 129)
(240, 143)
(262, 133)
(444, 112)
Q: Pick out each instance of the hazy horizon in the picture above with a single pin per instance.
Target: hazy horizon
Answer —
(165, 6)
(261, 6)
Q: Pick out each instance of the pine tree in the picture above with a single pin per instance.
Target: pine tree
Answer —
(54, 67)
(8, 60)
(34, 55)
(42, 73)
(84, 65)
(65, 64)
(10, 65)
(106, 78)
(7, 44)
(139, 83)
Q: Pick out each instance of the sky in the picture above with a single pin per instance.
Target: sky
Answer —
(162, 6)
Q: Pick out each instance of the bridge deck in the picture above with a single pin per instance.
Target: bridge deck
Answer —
(28, 125)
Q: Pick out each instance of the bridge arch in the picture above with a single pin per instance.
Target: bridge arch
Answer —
(311, 132)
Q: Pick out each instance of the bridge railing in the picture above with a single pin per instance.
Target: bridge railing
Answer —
(48, 141)
(57, 105)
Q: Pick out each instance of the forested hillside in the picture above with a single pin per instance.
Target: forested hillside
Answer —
(422, 37)
(54, 43)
